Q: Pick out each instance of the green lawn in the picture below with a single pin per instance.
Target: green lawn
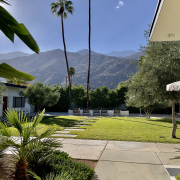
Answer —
(129, 129)
(55, 122)
(117, 128)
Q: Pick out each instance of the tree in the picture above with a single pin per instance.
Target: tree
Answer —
(139, 95)
(27, 148)
(9, 26)
(17, 81)
(160, 66)
(39, 94)
(61, 8)
(71, 73)
(121, 92)
(2, 89)
(88, 78)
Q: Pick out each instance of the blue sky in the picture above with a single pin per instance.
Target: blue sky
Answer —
(116, 25)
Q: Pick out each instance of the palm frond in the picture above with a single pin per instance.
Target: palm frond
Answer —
(4, 130)
(8, 2)
(65, 15)
(37, 119)
(51, 142)
(16, 119)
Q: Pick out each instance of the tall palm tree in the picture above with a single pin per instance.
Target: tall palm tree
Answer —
(61, 8)
(88, 78)
(71, 73)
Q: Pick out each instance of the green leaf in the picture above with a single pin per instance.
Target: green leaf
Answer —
(21, 31)
(6, 20)
(9, 72)
(6, 30)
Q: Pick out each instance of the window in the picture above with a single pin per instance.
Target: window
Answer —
(18, 102)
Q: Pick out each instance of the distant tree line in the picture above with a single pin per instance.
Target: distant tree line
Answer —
(100, 97)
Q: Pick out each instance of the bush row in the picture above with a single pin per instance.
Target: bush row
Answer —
(100, 97)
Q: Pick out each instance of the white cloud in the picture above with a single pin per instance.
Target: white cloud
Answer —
(121, 3)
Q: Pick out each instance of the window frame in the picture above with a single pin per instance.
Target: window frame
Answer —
(22, 102)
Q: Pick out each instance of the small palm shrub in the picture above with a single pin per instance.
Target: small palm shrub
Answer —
(28, 152)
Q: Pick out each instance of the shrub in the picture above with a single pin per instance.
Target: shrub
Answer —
(178, 177)
(61, 162)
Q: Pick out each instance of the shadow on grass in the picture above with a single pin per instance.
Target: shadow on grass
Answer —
(158, 120)
(59, 121)
(164, 120)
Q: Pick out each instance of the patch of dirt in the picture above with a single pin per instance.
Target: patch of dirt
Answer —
(6, 167)
(89, 163)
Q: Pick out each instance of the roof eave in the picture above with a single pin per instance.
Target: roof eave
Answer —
(156, 15)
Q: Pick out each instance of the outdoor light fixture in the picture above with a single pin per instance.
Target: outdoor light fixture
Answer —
(171, 35)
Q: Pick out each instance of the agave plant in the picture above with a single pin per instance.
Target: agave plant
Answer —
(26, 149)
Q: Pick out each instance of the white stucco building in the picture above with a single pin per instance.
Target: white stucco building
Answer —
(12, 99)
(165, 25)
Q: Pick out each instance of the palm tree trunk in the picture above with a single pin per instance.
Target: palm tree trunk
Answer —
(71, 81)
(62, 23)
(173, 120)
(88, 78)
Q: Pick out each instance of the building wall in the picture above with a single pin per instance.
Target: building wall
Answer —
(10, 93)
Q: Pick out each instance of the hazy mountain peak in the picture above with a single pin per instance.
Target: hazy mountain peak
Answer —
(11, 55)
(121, 53)
(86, 51)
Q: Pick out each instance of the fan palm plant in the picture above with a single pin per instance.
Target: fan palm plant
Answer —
(27, 150)
(61, 8)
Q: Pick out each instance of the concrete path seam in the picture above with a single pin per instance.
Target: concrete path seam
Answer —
(130, 162)
(159, 147)
(163, 164)
(103, 150)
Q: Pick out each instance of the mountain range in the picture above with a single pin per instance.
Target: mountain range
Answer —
(121, 53)
(11, 55)
(50, 67)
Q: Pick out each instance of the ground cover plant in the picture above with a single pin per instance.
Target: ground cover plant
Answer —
(61, 162)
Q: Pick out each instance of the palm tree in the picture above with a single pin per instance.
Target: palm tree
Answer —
(17, 81)
(88, 78)
(71, 73)
(61, 8)
(29, 151)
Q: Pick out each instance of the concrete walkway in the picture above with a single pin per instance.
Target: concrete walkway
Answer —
(119, 160)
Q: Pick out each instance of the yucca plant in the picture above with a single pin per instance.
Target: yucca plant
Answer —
(27, 150)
